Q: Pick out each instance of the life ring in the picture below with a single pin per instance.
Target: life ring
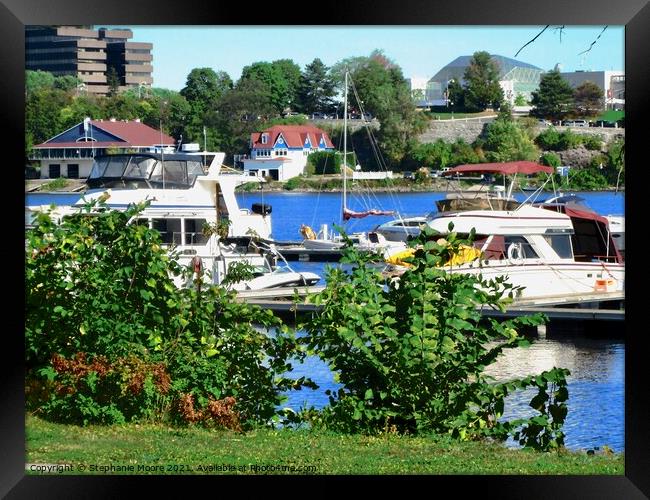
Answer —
(307, 232)
(515, 254)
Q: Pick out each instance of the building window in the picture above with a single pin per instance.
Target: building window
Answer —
(55, 171)
(73, 171)
(265, 138)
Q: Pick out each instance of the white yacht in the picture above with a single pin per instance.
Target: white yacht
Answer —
(184, 201)
(550, 253)
(557, 248)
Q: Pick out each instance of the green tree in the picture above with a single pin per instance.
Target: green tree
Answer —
(588, 100)
(38, 80)
(292, 74)
(482, 89)
(203, 89)
(456, 95)
(554, 99)
(384, 92)
(316, 90)
(273, 79)
(506, 140)
(113, 81)
(241, 111)
(520, 100)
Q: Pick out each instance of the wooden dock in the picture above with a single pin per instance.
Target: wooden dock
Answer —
(583, 307)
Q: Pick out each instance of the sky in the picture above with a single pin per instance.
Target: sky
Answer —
(419, 51)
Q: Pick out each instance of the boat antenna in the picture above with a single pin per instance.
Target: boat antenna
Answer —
(345, 143)
(205, 147)
(162, 155)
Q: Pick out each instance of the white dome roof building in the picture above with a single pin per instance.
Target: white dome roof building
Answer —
(515, 77)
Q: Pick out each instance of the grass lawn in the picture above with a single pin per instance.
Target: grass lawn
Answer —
(157, 449)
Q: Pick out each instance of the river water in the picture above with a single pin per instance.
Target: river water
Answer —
(596, 384)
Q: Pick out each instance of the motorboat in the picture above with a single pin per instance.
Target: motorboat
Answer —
(195, 211)
(549, 253)
(401, 229)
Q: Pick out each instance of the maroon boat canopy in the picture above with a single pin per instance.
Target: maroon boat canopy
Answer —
(510, 167)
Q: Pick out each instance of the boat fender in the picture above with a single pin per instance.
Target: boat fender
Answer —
(515, 254)
(197, 264)
(307, 232)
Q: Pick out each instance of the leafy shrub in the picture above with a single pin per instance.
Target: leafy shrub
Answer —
(587, 179)
(109, 338)
(505, 140)
(410, 351)
(592, 142)
(550, 160)
(549, 139)
(325, 162)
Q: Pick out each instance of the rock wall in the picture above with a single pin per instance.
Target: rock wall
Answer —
(450, 130)
(469, 129)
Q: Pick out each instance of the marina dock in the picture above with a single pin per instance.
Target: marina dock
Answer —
(600, 306)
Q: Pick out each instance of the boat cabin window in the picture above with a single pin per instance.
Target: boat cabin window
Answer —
(561, 243)
(194, 169)
(139, 167)
(169, 229)
(497, 248)
(194, 232)
(169, 171)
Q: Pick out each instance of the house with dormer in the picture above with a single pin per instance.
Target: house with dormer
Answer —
(71, 153)
(281, 152)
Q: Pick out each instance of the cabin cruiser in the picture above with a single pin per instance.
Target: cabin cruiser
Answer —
(196, 213)
(550, 253)
(555, 248)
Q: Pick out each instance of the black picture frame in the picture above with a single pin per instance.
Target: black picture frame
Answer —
(634, 14)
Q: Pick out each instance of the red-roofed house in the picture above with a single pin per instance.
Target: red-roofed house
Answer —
(71, 153)
(280, 152)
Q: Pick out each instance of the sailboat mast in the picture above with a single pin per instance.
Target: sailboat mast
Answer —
(345, 143)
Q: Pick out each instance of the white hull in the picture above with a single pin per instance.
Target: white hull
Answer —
(556, 279)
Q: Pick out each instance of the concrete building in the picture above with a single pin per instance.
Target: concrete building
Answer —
(71, 153)
(88, 54)
(515, 77)
(612, 83)
(281, 152)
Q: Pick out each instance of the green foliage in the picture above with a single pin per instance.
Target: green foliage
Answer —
(587, 179)
(325, 162)
(550, 159)
(316, 89)
(554, 99)
(506, 140)
(552, 140)
(588, 100)
(410, 351)
(482, 89)
(110, 338)
(435, 155)
(592, 142)
(56, 184)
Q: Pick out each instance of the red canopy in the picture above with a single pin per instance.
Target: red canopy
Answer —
(511, 167)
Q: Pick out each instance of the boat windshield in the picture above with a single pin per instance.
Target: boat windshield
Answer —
(174, 172)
